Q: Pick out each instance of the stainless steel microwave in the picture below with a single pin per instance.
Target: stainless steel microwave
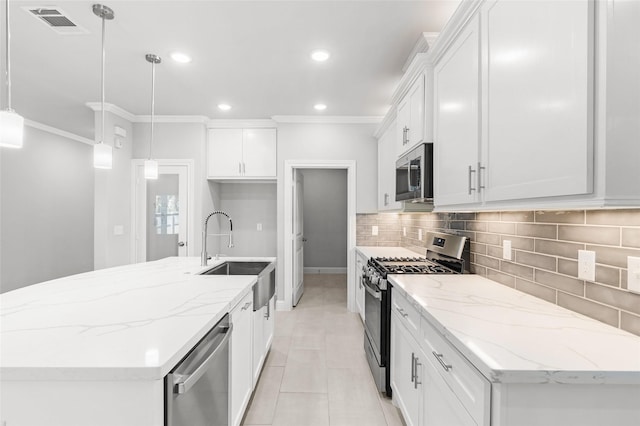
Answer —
(414, 175)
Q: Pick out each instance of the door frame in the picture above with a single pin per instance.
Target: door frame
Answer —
(289, 166)
(135, 232)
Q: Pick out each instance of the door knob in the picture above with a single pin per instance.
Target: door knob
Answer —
(181, 244)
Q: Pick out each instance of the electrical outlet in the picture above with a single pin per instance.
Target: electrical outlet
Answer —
(374, 230)
(420, 234)
(633, 274)
(506, 249)
(404, 231)
(587, 265)
(259, 227)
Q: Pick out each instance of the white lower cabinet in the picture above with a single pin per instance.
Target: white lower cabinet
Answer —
(240, 376)
(433, 385)
(263, 328)
(361, 261)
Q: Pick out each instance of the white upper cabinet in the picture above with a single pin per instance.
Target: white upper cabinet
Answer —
(456, 127)
(410, 127)
(387, 171)
(241, 154)
(537, 98)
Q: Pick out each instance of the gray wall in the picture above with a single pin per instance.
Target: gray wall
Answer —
(248, 204)
(325, 218)
(46, 209)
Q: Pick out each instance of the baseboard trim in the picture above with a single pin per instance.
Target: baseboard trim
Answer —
(324, 270)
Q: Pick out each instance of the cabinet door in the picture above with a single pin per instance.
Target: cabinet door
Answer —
(457, 126)
(361, 261)
(258, 343)
(224, 154)
(406, 393)
(439, 404)
(259, 152)
(387, 156)
(538, 108)
(416, 113)
(241, 353)
(403, 121)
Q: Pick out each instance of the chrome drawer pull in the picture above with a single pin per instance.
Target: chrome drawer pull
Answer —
(415, 378)
(401, 312)
(438, 356)
(413, 367)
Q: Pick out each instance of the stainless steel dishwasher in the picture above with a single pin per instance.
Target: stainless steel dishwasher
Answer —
(197, 389)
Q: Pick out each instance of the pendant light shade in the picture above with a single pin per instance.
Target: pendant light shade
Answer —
(151, 166)
(150, 169)
(11, 129)
(102, 153)
(102, 156)
(11, 123)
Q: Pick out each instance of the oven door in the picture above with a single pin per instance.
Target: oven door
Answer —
(373, 318)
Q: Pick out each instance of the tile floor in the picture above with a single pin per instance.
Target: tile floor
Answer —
(316, 372)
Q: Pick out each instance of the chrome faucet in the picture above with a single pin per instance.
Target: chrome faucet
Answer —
(204, 256)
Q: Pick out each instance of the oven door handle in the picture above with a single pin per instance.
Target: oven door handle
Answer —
(375, 294)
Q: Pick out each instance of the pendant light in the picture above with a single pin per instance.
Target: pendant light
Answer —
(102, 153)
(151, 166)
(11, 123)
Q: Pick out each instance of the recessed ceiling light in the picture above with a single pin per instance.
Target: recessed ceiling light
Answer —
(320, 55)
(181, 57)
(224, 107)
(320, 107)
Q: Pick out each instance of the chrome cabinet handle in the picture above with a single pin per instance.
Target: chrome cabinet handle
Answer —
(244, 168)
(444, 365)
(386, 199)
(402, 312)
(239, 168)
(413, 367)
(480, 169)
(471, 171)
(415, 378)
(407, 133)
(246, 306)
(267, 314)
(181, 244)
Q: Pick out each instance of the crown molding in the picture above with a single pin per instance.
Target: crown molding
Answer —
(114, 109)
(424, 42)
(386, 122)
(55, 131)
(240, 124)
(335, 119)
(172, 119)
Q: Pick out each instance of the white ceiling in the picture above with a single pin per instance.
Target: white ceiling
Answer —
(253, 55)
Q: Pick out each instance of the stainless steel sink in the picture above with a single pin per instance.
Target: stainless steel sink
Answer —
(263, 289)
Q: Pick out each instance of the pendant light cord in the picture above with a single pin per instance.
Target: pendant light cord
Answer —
(153, 101)
(102, 75)
(7, 51)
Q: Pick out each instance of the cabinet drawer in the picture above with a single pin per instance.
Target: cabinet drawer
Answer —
(407, 311)
(466, 382)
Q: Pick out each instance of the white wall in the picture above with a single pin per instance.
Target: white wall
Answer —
(113, 198)
(300, 141)
(46, 209)
(325, 218)
(248, 204)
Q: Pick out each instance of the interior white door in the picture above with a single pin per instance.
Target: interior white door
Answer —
(161, 221)
(297, 239)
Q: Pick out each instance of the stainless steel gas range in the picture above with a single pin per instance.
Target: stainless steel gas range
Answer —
(446, 254)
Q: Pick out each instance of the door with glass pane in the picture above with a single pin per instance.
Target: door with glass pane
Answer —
(161, 213)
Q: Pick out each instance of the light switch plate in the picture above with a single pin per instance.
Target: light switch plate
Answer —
(587, 265)
(259, 227)
(633, 274)
(506, 249)
(374, 230)
(420, 234)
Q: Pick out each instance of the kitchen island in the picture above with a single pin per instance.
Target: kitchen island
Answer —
(94, 348)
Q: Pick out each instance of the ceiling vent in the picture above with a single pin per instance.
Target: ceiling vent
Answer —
(56, 19)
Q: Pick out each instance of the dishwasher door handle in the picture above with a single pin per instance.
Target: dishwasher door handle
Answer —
(187, 381)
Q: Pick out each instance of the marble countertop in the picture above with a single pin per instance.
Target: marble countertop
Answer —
(370, 251)
(133, 322)
(512, 337)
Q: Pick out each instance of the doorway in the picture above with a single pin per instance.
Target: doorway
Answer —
(162, 211)
(293, 258)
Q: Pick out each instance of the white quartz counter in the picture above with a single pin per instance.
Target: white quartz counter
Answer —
(512, 337)
(132, 322)
(370, 251)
